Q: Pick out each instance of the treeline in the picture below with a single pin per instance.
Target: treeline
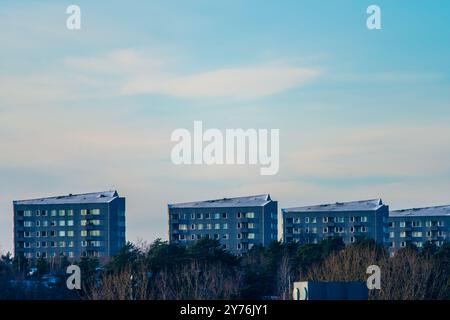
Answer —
(206, 271)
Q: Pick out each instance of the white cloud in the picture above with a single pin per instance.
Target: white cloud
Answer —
(247, 82)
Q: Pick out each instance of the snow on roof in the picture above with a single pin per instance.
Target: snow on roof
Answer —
(362, 205)
(95, 197)
(419, 212)
(250, 201)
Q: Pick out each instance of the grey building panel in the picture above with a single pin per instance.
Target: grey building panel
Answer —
(347, 220)
(76, 229)
(245, 222)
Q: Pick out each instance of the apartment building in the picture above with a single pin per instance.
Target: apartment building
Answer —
(417, 226)
(348, 220)
(238, 223)
(74, 225)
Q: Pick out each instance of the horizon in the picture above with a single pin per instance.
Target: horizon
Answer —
(362, 113)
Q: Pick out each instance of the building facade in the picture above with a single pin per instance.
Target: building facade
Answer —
(418, 226)
(81, 225)
(238, 223)
(347, 220)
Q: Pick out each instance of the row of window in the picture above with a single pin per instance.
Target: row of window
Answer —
(60, 223)
(216, 236)
(315, 240)
(418, 244)
(69, 254)
(216, 226)
(60, 244)
(60, 233)
(419, 234)
(404, 224)
(330, 230)
(239, 215)
(54, 213)
(327, 219)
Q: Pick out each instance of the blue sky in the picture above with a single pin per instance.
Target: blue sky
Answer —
(362, 114)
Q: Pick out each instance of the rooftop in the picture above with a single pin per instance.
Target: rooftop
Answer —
(95, 197)
(250, 201)
(362, 205)
(419, 212)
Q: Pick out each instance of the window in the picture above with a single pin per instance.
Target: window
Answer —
(70, 213)
(199, 216)
(62, 233)
(402, 224)
(352, 219)
(239, 235)
(38, 213)
(94, 233)
(250, 215)
(27, 213)
(402, 244)
(192, 236)
(314, 230)
(62, 213)
(239, 215)
(38, 223)
(38, 244)
(209, 226)
(27, 224)
(352, 229)
(251, 225)
(53, 213)
(416, 224)
(192, 226)
(297, 220)
(391, 224)
(200, 226)
(307, 220)
(314, 220)
(325, 219)
(44, 213)
(38, 234)
(402, 234)
(83, 222)
(352, 239)
(364, 219)
(428, 233)
(62, 223)
(225, 226)
(71, 254)
(239, 246)
(341, 219)
(226, 236)
(44, 244)
(70, 223)
(71, 244)
(45, 223)
(216, 236)
(325, 230)
(217, 216)
(83, 212)
(83, 233)
(44, 233)
(224, 216)
(428, 223)
(95, 212)
(217, 226)
(440, 223)
(70, 233)
(62, 244)
(391, 235)
(364, 229)
(52, 233)
(417, 234)
(53, 223)
(251, 236)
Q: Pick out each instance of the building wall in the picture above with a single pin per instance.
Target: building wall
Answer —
(238, 229)
(102, 239)
(417, 230)
(312, 227)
